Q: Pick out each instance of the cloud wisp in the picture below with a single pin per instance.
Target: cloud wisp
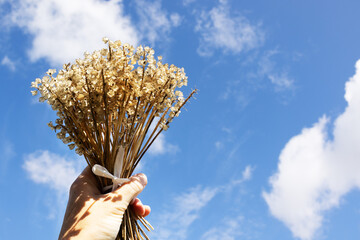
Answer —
(161, 146)
(174, 224)
(228, 230)
(315, 171)
(8, 152)
(186, 207)
(267, 69)
(6, 61)
(220, 30)
(155, 23)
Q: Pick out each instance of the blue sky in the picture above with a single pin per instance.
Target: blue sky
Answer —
(267, 150)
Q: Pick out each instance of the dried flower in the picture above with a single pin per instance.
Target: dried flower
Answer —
(106, 103)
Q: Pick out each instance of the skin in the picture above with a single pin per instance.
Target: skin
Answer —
(93, 215)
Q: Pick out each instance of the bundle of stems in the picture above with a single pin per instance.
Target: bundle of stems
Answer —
(111, 106)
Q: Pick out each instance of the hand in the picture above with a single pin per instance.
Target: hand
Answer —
(92, 215)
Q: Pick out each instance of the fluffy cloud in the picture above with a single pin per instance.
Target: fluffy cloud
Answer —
(231, 34)
(64, 29)
(52, 170)
(6, 61)
(315, 171)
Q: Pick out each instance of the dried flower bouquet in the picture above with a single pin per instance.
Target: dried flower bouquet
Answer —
(105, 105)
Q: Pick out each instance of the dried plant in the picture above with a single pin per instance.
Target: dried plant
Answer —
(105, 105)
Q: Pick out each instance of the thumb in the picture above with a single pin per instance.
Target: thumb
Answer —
(131, 189)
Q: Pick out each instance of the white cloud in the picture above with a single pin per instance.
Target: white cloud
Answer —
(228, 230)
(63, 30)
(231, 34)
(48, 168)
(161, 146)
(56, 173)
(155, 24)
(315, 172)
(6, 61)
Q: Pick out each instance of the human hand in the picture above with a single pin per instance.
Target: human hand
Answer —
(93, 215)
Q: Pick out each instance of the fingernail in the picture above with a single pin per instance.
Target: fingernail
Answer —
(141, 178)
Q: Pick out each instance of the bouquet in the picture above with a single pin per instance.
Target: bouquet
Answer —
(111, 106)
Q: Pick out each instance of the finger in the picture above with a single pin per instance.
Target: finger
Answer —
(147, 210)
(128, 191)
(138, 207)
